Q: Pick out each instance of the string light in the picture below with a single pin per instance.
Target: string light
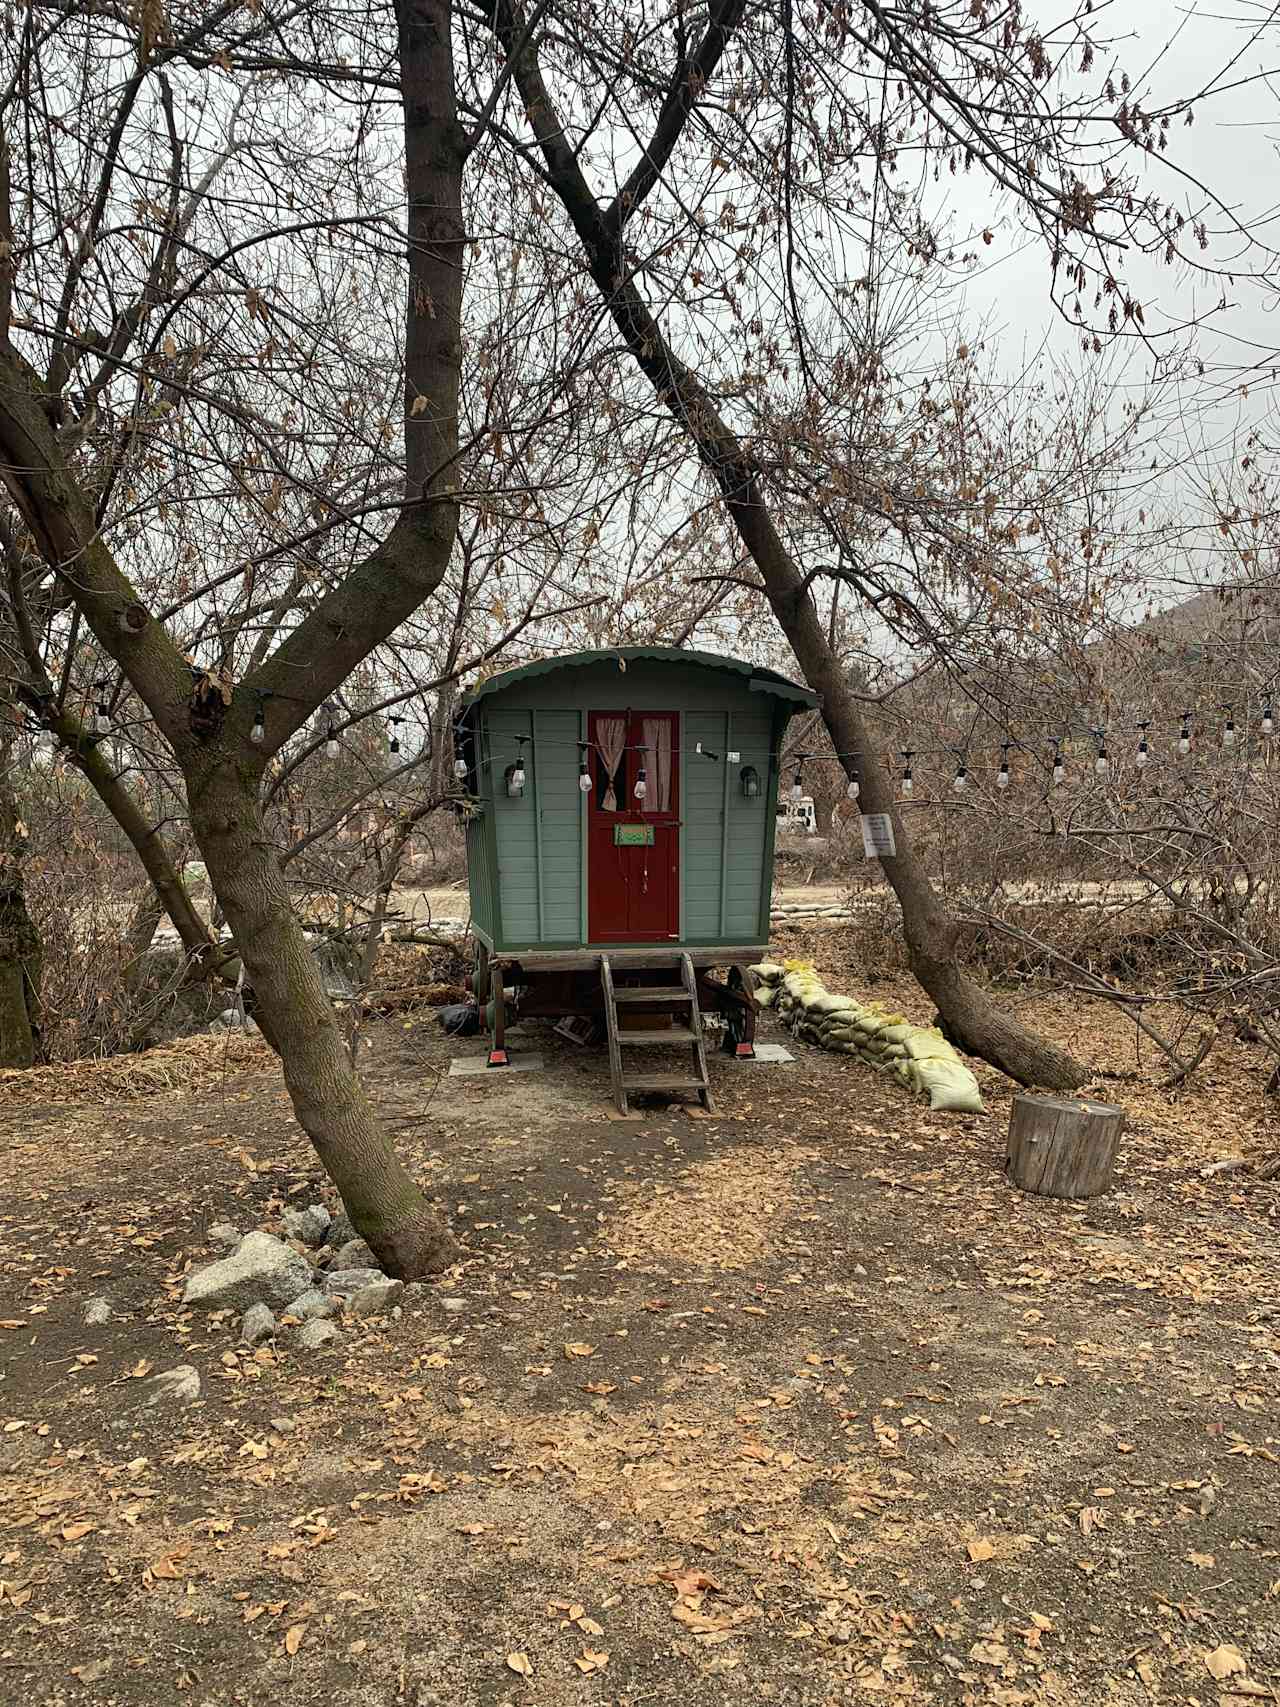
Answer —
(258, 733)
(1144, 751)
(642, 786)
(1002, 776)
(1059, 769)
(961, 779)
(1102, 764)
(1229, 733)
(908, 785)
(1268, 723)
(516, 777)
(854, 788)
(395, 735)
(102, 712)
(797, 782)
(1184, 735)
(331, 743)
(584, 775)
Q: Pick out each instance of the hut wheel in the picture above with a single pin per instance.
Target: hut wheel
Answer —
(480, 979)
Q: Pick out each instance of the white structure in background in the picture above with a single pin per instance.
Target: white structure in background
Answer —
(797, 817)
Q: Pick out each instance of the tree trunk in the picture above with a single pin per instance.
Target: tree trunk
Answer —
(87, 756)
(19, 939)
(222, 769)
(932, 935)
(385, 1205)
(207, 957)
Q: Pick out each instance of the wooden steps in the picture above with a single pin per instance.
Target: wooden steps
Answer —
(672, 1034)
(685, 1032)
(661, 1082)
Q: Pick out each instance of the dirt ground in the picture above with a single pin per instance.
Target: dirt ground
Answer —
(799, 1404)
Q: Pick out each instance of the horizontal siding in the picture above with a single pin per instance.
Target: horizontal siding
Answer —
(480, 873)
(645, 685)
(561, 805)
(514, 825)
(703, 822)
(539, 839)
(748, 827)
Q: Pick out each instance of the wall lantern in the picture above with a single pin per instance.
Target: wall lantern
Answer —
(750, 779)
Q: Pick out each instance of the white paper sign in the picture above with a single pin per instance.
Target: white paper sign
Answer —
(877, 836)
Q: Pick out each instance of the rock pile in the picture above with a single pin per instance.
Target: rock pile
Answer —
(917, 1054)
(262, 1275)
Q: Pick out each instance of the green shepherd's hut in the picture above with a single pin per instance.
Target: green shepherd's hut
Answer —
(621, 812)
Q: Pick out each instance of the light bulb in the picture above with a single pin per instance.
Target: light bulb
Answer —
(1143, 753)
(331, 744)
(908, 787)
(1002, 781)
(1229, 735)
(854, 789)
(797, 792)
(1267, 723)
(1059, 772)
(459, 766)
(961, 780)
(395, 743)
(258, 733)
(517, 775)
(584, 780)
(1184, 742)
(1102, 764)
(102, 719)
(642, 787)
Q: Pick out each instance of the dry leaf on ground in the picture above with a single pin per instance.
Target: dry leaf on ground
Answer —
(1225, 1660)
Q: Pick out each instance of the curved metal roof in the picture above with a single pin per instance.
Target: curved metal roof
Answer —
(761, 680)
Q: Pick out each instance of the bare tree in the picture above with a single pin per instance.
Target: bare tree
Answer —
(91, 369)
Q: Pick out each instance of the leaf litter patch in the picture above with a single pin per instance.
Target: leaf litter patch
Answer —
(723, 1214)
(917, 1440)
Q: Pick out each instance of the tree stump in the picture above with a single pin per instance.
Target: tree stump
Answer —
(1063, 1147)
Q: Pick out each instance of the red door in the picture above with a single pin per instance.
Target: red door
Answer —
(633, 844)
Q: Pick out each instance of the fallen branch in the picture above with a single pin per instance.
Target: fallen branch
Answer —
(1183, 1073)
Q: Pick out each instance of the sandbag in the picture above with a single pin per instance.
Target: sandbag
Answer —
(929, 1045)
(918, 1056)
(950, 1085)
